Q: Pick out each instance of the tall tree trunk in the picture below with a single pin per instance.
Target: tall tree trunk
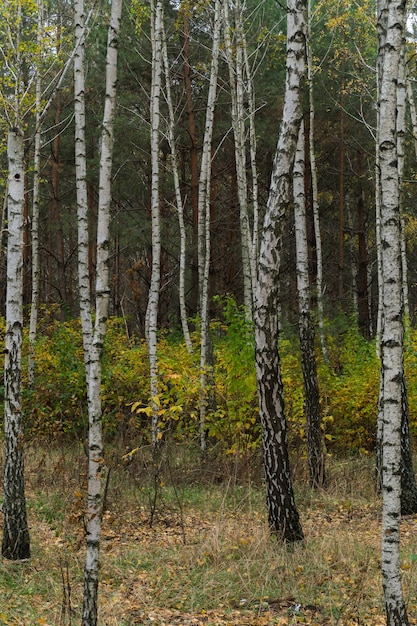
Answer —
(314, 186)
(401, 134)
(251, 103)
(315, 453)
(391, 21)
(353, 269)
(152, 310)
(193, 155)
(234, 56)
(342, 195)
(57, 240)
(178, 197)
(204, 224)
(81, 182)
(16, 543)
(408, 480)
(282, 512)
(363, 300)
(33, 322)
(96, 463)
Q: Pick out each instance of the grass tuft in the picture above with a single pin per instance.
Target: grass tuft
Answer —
(208, 557)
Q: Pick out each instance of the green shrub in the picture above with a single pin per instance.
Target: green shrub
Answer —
(349, 386)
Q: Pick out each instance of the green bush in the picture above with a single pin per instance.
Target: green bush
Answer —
(349, 386)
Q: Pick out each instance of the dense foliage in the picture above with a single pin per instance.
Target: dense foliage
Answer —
(56, 406)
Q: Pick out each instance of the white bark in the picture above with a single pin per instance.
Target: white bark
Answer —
(353, 271)
(413, 113)
(35, 217)
(152, 310)
(401, 133)
(81, 181)
(178, 198)
(282, 513)
(315, 453)
(300, 224)
(392, 309)
(96, 461)
(253, 151)
(234, 57)
(204, 221)
(314, 187)
(16, 544)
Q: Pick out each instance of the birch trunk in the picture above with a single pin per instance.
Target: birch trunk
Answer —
(178, 197)
(234, 57)
(253, 151)
(315, 453)
(152, 310)
(81, 181)
(16, 542)
(96, 464)
(408, 480)
(33, 322)
(392, 372)
(204, 223)
(314, 187)
(282, 512)
(413, 112)
(353, 271)
(401, 133)
(193, 152)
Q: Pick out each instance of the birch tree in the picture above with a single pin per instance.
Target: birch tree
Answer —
(35, 213)
(16, 542)
(235, 63)
(314, 184)
(81, 180)
(408, 480)
(152, 310)
(204, 214)
(20, 25)
(96, 463)
(315, 453)
(178, 197)
(282, 512)
(391, 22)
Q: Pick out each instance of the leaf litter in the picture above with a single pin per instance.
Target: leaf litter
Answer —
(227, 572)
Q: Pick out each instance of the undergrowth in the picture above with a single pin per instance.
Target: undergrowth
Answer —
(207, 556)
(56, 407)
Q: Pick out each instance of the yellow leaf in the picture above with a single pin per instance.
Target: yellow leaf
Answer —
(128, 455)
(147, 410)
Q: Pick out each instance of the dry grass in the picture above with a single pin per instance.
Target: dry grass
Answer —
(228, 570)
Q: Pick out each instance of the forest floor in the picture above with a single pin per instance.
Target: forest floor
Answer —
(207, 558)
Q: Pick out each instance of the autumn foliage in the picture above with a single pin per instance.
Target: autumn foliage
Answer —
(56, 405)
